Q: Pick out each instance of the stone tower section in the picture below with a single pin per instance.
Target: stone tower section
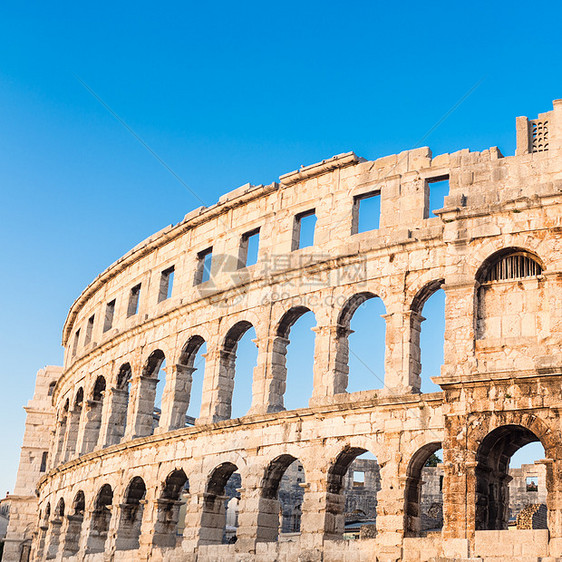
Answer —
(33, 464)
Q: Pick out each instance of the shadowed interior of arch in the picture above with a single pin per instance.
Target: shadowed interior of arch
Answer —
(282, 499)
(195, 358)
(171, 512)
(498, 455)
(354, 481)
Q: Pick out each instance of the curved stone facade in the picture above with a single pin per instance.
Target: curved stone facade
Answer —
(116, 469)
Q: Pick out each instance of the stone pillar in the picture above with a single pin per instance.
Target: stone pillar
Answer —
(396, 371)
(210, 398)
(114, 417)
(411, 365)
(459, 330)
(143, 393)
(71, 439)
(459, 498)
(331, 355)
(390, 508)
(175, 400)
(58, 442)
(271, 373)
(91, 423)
(193, 519)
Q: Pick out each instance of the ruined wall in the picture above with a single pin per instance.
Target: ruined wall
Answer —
(501, 377)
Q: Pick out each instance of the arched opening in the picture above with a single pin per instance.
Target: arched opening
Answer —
(130, 519)
(293, 359)
(94, 409)
(192, 369)
(353, 485)
(101, 517)
(74, 424)
(61, 432)
(167, 532)
(55, 526)
(527, 488)
(423, 492)
(511, 299)
(43, 528)
(494, 479)
(120, 405)
(74, 528)
(427, 336)
(222, 487)
(237, 363)
(148, 413)
(281, 500)
(361, 344)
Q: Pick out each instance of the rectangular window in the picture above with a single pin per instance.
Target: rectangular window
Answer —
(438, 189)
(366, 212)
(109, 312)
(249, 246)
(303, 231)
(75, 344)
(204, 264)
(166, 284)
(89, 330)
(532, 483)
(358, 478)
(134, 295)
(44, 456)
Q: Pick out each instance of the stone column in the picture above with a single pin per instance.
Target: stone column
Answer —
(270, 375)
(175, 400)
(140, 422)
(411, 365)
(210, 398)
(390, 508)
(91, 422)
(114, 417)
(72, 426)
(330, 375)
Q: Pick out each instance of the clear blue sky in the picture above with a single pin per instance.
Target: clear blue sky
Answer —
(225, 93)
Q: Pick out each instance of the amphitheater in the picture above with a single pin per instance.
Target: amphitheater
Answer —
(117, 473)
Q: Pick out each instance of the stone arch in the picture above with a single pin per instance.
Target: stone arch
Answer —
(55, 525)
(73, 424)
(120, 404)
(44, 518)
(182, 378)
(492, 455)
(213, 517)
(415, 320)
(413, 488)
(100, 519)
(131, 512)
(278, 356)
(74, 527)
(94, 408)
(280, 510)
(60, 433)
(343, 331)
(168, 507)
(334, 522)
(146, 417)
(227, 367)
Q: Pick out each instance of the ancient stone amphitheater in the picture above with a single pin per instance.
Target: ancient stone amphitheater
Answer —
(117, 477)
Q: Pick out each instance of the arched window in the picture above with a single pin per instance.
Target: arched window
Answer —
(511, 297)
(55, 525)
(93, 416)
(101, 517)
(120, 405)
(130, 521)
(74, 528)
(236, 371)
(170, 506)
